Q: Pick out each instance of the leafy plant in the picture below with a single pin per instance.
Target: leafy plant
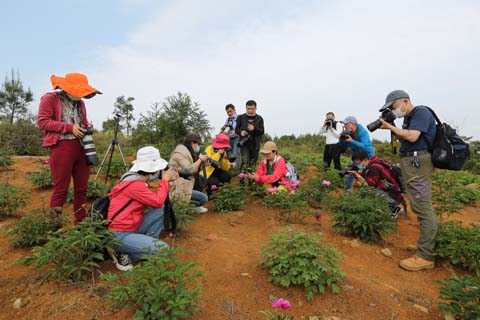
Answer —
(334, 178)
(293, 209)
(73, 254)
(5, 158)
(362, 214)
(41, 179)
(461, 245)
(162, 287)
(34, 228)
(11, 199)
(297, 258)
(462, 295)
(183, 210)
(281, 304)
(229, 197)
(315, 190)
(95, 190)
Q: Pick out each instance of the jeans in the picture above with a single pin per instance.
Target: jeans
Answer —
(199, 197)
(391, 202)
(349, 178)
(145, 239)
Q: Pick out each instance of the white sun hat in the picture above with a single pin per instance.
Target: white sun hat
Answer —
(148, 160)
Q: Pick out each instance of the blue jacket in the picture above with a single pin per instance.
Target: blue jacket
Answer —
(361, 141)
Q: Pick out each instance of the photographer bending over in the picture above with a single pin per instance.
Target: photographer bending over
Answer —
(139, 224)
(186, 156)
(250, 129)
(272, 169)
(332, 149)
(217, 162)
(356, 137)
(63, 118)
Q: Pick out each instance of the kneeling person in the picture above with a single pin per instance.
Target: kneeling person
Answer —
(218, 163)
(272, 169)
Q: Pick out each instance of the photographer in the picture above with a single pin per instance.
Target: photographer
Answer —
(356, 137)
(372, 172)
(332, 149)
(139, 224)
(63, 118)
(272, 169)
(250, 129)
(186, 157)
(217, 162)
(417, 133)
(229, 129)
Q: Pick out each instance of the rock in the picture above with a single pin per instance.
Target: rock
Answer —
(421, 308)
(411, 248)
(449, 317)
(245, 274)
(354, 243)
(212, 237)
(17, 304)
(372, 305)
(386, 252)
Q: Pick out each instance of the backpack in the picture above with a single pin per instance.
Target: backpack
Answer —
(449, 151)
(291, 175)
(395, 172)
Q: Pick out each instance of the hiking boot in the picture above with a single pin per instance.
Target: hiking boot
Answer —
(200, 210)
(123, 262)
(416, 263)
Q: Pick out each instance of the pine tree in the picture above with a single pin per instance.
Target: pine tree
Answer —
(14, 100)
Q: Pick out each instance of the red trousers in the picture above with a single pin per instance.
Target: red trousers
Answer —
(67, 160)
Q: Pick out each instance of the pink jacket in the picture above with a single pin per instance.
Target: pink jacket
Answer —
(279, 171)
(130, 219)
(49, 118)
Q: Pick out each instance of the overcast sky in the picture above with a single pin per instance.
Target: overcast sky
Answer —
(297, 59)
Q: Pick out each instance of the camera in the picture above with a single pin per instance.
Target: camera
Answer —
(387, 115)
(182, 173)
(329, 122)
(226, 130)
(243, 140)
(345, 134)
(350, 167)
(89, 147)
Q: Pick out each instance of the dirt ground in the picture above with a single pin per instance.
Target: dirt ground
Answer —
(227, 248)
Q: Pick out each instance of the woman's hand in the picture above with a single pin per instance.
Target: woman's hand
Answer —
(203, 157)
(170, 175)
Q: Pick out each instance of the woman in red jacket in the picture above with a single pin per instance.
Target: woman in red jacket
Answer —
(272, 169)
(139, 224)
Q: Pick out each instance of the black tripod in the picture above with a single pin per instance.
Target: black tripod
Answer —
(110, 150)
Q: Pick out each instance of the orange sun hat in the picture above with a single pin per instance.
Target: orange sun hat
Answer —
(75, 84)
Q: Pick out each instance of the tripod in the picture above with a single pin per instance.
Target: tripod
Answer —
(110, 150)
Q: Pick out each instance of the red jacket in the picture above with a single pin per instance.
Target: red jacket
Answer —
(49, 118)
(279, 171)
(130, 219)
(378, 176)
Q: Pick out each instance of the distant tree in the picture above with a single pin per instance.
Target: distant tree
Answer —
(108, 125)
(149, 128)
(14, 99)
(124, 107)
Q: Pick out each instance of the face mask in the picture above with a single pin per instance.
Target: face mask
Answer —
(399, 113)
(360, 167)
(197, 149)
(153, 176)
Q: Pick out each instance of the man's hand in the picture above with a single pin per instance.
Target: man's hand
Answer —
(170, 175)
(243, 133)
(250, 127)
(77, 131)
(348, 139)
(385, 125)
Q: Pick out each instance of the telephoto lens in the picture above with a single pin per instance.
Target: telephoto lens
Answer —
(89, 147)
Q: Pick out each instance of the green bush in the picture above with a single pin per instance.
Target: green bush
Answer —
(22, 137)
(95, 190)
(11, 199)
(362, 214)
(293, 209)
(42, 179)
(297, 258)
(315, 190)
(34, 228)
(5, 158)
(462, 295)
(162, 287)
(228, 198)
(460, 245)
(183, 212)
(334, 178)
(73, 254)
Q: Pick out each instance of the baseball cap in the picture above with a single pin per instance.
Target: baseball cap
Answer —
(350, 119)
(392, 97)
(268, 147)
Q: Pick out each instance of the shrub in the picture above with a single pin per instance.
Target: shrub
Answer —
(75, 253)
(362, 214)
(41, 179)
(95, 190)
(11, 199)
(293, 209)
(162, 287)
(297, 258)
(22, 137)
(461, 245)
(229, 197)
(462, 295)
(316, 190)
(334, 178)
(183, 210)
(34, 228)
(5, 158)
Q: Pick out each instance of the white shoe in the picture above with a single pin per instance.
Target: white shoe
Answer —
(123, 262)
(200, 210)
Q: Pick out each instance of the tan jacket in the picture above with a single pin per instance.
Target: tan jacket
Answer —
(181, 158)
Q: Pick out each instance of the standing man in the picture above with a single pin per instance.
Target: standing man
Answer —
(229, 129)
(332, 149)
(250, 129)
(417, 133)
(62, 117)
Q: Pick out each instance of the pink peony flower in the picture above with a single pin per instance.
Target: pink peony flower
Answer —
(171, 235)
(281, 303)
(214, 187)
(326, 183)
(318, 217)
(270, 190)
(242, 175)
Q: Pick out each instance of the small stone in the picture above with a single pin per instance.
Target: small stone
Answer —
(449, 317)
(386, 252)
(421, 308)
(372, 305)
(212, 237)
(17, 304)
(412, 248)
(245, 274)
(354, 243)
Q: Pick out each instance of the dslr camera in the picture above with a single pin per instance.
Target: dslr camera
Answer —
(182, 173)
(387, 115)
(329, 123)
(243, 140)
(89, 147)
(350, 167)
(345, 134)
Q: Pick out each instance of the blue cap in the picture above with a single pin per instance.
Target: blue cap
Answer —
(350, 119)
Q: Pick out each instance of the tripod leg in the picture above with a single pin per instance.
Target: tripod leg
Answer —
(103, 161)
(123, 158)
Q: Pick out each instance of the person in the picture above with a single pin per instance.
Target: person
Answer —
(136, 212)
(63, 118)
(356, 137)
(332, 149)
(372, 172)
(186, 156)
(272, 169)
(218, 163)
(229, 129)
(417, 133)
(250, 130)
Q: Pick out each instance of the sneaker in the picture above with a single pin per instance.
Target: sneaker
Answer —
(396, 212)
(416, 263)
(200, 210)
(123, 262)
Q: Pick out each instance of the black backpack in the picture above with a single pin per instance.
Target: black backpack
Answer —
(449, 151)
